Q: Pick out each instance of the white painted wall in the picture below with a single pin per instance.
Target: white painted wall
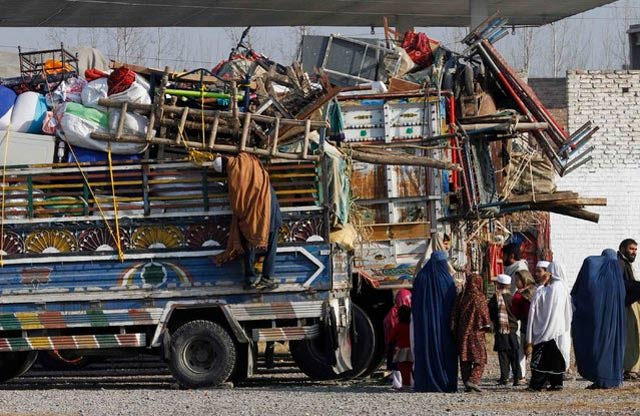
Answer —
(614, 173)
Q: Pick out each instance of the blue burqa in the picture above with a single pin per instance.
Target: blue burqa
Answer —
(434, 294)
(599, 320)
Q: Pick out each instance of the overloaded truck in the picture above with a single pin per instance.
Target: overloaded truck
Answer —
(79, 278)
(107, 253)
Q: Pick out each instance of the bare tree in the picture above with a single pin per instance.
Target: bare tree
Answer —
(522, 48)
(129, 43)
(569, 43)
(623, 15)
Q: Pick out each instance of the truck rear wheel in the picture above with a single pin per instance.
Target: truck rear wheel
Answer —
(202, 354)
(315, 359)
(63, 360)
(15, 364)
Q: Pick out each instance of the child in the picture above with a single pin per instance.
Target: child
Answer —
(505, 326)
(403, 298)
(401, 340)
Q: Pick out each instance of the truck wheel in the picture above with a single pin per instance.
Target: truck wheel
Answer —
(202, 354)
(15, 364)
(62, 360)
(380, 351)
(315, 359)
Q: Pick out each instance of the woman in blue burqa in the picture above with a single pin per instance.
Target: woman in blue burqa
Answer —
(434, 294)
(598, 326)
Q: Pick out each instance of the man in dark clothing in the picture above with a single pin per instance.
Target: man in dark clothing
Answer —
(627, 255)
(505, 327)
(269, 264)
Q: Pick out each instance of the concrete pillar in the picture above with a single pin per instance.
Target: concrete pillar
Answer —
(478, 11)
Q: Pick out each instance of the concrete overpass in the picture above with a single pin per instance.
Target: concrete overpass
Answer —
(226, 13)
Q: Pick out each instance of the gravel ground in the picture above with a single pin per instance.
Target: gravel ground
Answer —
(146, 389)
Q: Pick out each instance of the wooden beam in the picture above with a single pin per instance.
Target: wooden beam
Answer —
(521, 199)
(576, 213)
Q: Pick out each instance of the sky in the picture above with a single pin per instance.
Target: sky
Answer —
(595, 39)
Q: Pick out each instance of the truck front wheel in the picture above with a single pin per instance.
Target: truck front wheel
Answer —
(202, 354)
(15, 364)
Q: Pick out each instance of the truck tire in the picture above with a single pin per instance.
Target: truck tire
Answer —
(63, 360)
(202, 354)
(15, 364)
(380, 351)
(315, 359)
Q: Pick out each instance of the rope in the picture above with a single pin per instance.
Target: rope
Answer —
(533, 187)
(202, 112)
(196, 156)
(95, 199)
(4, 173)
(115, 202)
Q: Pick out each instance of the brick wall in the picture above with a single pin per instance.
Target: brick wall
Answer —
(611, 100)
(553, 94)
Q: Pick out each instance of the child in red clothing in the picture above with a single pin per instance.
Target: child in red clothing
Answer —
(401, 339)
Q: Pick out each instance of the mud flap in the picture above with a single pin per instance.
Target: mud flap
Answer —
(251, 358)
(339, 320)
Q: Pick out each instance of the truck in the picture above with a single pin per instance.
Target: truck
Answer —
(79, 277)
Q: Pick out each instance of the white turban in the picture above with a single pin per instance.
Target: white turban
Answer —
(504, 279)
(543, 264)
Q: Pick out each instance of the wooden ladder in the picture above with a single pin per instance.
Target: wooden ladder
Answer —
(236, 127)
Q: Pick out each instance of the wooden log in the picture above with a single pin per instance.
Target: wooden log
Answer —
(123, 115)
(397, 159)
(469, 128)
(214, 131)
(245, 132)
(579, 213)
(276, 134)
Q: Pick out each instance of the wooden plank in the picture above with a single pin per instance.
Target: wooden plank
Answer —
(400, 85)
(520, 199)
(406, 231)
(575, 201)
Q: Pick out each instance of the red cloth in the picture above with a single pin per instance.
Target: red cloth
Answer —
(403, 298)
(470, 319)
(92, 74)
(406, 370)
(419, 48)
(520, 307)
(401, 335)
(120, 80)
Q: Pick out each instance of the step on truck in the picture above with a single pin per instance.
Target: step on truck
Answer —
(108, 258)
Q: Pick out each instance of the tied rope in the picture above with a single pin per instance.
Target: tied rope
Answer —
(114, 235)
(115, 202)
(4, 173)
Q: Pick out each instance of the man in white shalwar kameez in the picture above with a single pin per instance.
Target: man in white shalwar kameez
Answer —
(548, 329)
